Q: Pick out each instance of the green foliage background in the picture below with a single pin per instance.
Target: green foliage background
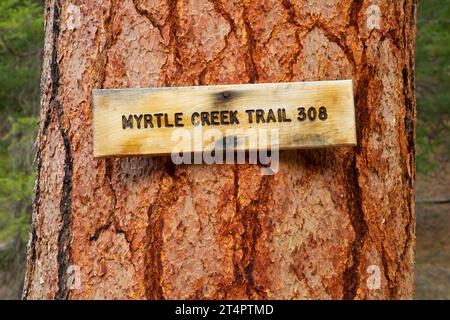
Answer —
(432, 83)
(21, 42)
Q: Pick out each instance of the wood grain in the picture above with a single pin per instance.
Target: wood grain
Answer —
(126, 120)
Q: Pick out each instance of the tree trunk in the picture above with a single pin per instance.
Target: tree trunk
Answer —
(332, 223)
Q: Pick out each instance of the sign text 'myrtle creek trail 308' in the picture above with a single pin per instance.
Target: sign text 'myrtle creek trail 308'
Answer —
(154, 121)
(215, 118)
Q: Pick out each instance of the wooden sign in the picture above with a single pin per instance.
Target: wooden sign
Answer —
(154, 121)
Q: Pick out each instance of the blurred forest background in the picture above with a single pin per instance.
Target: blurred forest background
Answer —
(21, 42)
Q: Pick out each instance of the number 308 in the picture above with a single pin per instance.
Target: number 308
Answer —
(312, 114)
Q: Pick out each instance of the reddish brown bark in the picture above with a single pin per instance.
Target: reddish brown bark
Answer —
(141, 228)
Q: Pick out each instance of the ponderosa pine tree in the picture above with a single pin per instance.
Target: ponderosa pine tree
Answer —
(332, 223)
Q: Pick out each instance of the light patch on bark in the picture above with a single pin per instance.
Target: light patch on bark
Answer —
(73, 17)
(373, 21)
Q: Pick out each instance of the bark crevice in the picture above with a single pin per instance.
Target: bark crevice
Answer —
(250, 63)
(174, 22)
(64, 236)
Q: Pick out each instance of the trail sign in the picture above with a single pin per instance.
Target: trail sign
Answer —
(159, 121)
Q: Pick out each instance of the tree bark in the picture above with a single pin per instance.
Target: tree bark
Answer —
(142, 228)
